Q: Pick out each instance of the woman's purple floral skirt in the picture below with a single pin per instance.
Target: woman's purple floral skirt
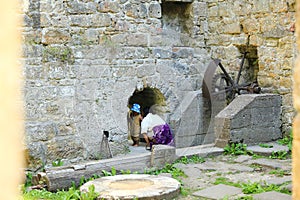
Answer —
(163, 135)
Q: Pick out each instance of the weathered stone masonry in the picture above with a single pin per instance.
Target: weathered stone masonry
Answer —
(84, 59)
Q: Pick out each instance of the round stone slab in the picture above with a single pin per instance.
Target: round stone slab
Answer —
(134, 186)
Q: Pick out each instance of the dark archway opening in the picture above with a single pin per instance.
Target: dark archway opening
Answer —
(147, 97)
(150, 98)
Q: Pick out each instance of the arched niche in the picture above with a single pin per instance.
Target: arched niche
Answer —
(147, 97)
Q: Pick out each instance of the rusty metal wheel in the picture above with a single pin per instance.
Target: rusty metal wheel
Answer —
(222, 88)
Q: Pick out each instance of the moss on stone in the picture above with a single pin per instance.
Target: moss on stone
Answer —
(58, 53)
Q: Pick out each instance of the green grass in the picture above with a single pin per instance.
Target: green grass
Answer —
(71, 194)
(192, 159)
(253, 187)
(279, 172)
(74, 193)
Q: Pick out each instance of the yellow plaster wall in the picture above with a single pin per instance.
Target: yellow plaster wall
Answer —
(296, 125)
(11, 125)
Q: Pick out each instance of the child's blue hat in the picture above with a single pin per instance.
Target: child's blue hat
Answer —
(136, 108)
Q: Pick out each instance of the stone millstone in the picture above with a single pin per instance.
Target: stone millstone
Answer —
(134, 186)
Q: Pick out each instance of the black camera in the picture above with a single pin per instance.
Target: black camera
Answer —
(106, 133)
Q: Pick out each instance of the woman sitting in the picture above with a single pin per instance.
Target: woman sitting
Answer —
(155, 130)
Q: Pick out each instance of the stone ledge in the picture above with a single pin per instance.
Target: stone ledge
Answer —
(201, 150)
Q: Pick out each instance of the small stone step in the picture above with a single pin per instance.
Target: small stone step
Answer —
(272, 164)
(272, 196)
(279, 180)
(201, 150)
(268, 150)
(218, 192)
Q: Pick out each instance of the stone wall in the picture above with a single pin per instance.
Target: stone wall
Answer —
(268, 23)
(249, 119)
(84, 59)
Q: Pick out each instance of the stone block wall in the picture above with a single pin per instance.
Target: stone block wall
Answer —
(249, 119)
(84, 59)
(189, 129)
(269, 25)
(82, 62)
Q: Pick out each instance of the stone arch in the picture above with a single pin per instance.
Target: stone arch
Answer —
(147, 97)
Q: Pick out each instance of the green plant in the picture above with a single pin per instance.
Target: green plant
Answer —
(106, 173)
(279, 172)
(82, 180)
(256, 167)
(192, 159)
(175, 172)
(113, 172)
(39, 194)
(245, 198)
(266, 145)
(57, 163)
(252, 187)
(256, 156)
(71, 194)
(225, 198)
(256, 187)
(287, 140)
(28, 181)
(279, 155)
(184, 191)
(90, 195)
(225, 181)
(168, 168)
(236, 149)
(125, 171)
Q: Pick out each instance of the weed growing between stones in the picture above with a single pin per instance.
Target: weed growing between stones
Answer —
(245, 198)
(287, 140)
(192, 159)
(57, 163)
(265, 145)
(253, 187)
(279, 172)
(282, 155)
(169, 168)
(236, 149)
